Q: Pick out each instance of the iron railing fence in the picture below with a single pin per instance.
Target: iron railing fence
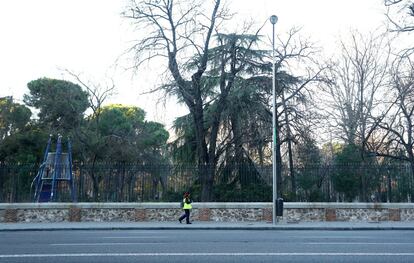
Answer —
(233, 183)
(352, 182)
(15, 181)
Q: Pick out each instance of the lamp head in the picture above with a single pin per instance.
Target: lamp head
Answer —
(273, 19)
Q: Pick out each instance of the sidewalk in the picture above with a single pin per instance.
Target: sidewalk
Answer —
(206, 226)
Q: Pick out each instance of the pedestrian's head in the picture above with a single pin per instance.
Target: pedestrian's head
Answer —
(186, 194)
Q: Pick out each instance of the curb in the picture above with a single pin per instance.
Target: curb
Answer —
(273, 228)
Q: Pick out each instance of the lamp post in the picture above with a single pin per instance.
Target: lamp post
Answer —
(273, 20)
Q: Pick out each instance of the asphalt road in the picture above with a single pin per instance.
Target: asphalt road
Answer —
(207, 246)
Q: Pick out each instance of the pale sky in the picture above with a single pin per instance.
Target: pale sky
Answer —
(38, 38)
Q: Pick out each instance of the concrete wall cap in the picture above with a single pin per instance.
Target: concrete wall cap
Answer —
(212, 205)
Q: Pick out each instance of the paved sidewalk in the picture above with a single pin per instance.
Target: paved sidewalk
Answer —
(207, 225)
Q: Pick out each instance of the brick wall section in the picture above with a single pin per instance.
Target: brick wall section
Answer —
(330, 214)
(267, 214)
(140, 215)
(394, 214)
(204, 214)
(75, 214)
(10, 215)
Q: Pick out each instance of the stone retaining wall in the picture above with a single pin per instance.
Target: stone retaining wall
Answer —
(220, 212)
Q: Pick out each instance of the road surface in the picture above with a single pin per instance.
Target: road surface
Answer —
(207, 246)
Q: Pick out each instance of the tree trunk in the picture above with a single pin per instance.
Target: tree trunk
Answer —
(203, 157)
(412, 180)
(411, 156)
(278, 160)
(389, 188)
(121, 179)
(238, 150)
(290, 153)
(95, 186)
(95, 183)
(207, 172)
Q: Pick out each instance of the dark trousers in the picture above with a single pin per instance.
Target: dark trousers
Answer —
(186, 215)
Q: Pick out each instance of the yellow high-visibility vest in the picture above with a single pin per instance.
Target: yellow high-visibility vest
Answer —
(187, 206)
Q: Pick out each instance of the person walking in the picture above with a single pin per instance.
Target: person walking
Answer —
(186, 207)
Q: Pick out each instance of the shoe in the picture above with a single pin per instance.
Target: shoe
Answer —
(189, 223)
(179, 220)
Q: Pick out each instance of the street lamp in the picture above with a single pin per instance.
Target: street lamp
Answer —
(273, 20)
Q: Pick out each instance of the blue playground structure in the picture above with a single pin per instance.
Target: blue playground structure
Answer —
(55, 174)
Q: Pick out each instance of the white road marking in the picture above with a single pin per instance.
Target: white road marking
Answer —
(333, 237)
(197, 254)
(356, 243)
(106, 244)
(146, 243)
(133, 237)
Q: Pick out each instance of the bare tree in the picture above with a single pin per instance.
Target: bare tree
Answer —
(398, 136)
(175, 31)
(355, 94)
(357, 77)
(400, 13)
(294, 55)
(98, 93)
(90, 136)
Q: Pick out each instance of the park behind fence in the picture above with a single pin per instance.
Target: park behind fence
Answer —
(233, 183)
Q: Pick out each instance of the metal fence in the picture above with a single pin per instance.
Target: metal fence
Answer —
(233, 183)
(353, 182)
